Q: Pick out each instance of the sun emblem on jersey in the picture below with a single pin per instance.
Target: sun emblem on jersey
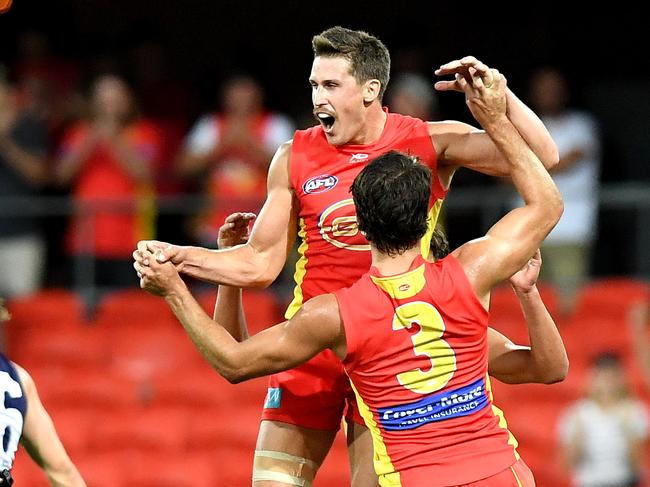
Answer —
(338, 226)
(319, 184)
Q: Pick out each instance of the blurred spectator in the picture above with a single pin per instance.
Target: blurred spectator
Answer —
(230, 152)
(412, 94)
(23, 143)
(567, 250)
(109, 161)
(603, 436)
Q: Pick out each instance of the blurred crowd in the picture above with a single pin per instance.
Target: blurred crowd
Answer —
(117, 137)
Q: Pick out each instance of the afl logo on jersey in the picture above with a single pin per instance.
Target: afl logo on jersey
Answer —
(319, 184)
(338, 226)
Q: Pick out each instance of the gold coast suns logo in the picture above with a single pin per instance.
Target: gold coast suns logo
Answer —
(338, 226)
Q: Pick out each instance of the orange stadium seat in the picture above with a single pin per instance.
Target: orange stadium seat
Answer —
(147, 429)
(42, 315)
(184, 470)
(199, 388)
(229, 427)
(144, 352)
(82, 389)
(76, 346)
(105, 469)
(506, 315)
(132, 306)
(610, 297)
(260, 306)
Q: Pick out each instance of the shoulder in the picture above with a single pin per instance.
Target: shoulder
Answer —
(324, 306)
(25, 379)
(450, 127)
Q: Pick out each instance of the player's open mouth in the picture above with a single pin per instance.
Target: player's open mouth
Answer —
(326, 120)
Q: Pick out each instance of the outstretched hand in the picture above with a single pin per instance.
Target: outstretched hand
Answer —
(235, 230)
(525, 279)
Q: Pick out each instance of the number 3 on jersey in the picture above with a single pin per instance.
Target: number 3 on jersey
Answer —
(427, 342)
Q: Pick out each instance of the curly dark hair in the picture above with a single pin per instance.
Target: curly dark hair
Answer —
(391, 195)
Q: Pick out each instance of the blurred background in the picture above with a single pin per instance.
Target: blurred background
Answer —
(126, 120)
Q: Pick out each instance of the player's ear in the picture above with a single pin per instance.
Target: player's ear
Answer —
(371, 90)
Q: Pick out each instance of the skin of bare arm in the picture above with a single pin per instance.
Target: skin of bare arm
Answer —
(461, 145)
(316, 327)
(511, 242)
(260, 260)
(42, 442)
(545, 361)
(229, 308)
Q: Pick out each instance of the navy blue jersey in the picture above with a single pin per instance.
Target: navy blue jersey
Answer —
(12, 412)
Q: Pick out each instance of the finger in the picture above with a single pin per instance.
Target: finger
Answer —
(449, 68)
(476, 64)
(163, 255)
(447, 86)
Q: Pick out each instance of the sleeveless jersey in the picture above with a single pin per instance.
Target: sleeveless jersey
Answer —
(417, 359)
(333, 253)
(12, 412)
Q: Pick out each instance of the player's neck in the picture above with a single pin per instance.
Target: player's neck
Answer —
(373, 126)
(388, 265)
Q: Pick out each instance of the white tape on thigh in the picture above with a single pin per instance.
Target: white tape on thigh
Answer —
(282, 467)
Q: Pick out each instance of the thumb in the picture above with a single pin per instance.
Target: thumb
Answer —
(165, 254)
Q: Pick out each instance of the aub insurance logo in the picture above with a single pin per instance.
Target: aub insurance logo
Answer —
(319, 184)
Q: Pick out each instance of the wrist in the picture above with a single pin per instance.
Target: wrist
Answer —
(526, 292)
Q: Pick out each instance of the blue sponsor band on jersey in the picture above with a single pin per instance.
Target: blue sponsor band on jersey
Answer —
(454, 403)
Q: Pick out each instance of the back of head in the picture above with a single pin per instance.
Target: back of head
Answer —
(368, 56)
(391, 195)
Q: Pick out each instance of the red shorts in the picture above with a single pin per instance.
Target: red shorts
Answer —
(316, 394)
(516, 475)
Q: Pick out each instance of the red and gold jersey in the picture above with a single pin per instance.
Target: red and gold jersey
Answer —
(417, 359)
(333, 253)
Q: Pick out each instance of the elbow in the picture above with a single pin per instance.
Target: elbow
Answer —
(556, 374)
(552, 158)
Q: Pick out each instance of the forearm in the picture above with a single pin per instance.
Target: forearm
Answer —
(229, 312)
(29, 165)
(240, 266)
(532, 180)
(548, 358)
(65, 476)
(532, 130)
(212, 340)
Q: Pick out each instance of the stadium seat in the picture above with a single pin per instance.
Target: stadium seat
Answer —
(132, 306)
(610, 297)
(260, 307)
(146, 429)
(140, 353)
(181, 470)
(82, 389)
(105, 469)
(81, 346)
(42, 315)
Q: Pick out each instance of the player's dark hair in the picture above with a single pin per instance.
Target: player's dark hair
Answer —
(368, 56)
(439, 246)
(391, 195)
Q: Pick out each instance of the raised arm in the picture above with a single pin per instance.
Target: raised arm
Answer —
(229, 308)
(316, 327)
(545, 361)
(514, 239)
(42, 442)
(461, 145)
(258, 262)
